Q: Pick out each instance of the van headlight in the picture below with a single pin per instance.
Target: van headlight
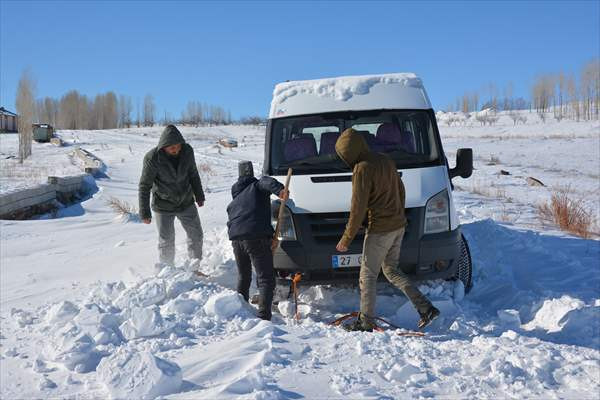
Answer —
(437, 215)
(287, 231)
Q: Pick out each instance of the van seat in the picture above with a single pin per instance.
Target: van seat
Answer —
(369, 137)
(328, 140)
(299, 148)
(389, 137)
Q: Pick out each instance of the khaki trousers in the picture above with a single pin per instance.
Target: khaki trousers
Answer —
(190, 221)
(382, 250)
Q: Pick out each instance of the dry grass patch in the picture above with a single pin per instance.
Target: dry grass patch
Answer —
(206, 172)
(568, 213)
(205, 169)
(123, 209)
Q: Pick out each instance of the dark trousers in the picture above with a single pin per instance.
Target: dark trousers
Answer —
(257, 253)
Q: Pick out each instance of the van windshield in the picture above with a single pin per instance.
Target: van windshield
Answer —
(307, 143)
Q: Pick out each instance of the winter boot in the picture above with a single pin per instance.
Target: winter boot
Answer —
(264, 307)
(428, 316)
(362, 324)
(265, 314)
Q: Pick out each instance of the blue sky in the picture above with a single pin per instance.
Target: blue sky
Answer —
(233, 53)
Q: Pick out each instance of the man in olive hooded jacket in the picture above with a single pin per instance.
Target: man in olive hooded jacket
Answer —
(171, 175)
(377, 191)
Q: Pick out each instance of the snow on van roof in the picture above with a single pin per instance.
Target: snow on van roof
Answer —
(343, 89)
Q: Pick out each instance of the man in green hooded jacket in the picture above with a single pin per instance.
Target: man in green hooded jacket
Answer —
(171, 175)
(377, 191)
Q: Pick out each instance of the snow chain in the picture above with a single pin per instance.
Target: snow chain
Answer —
(377, 328)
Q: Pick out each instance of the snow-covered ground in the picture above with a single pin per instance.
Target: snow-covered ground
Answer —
(46, 160)
(564, 156)
(83, 313)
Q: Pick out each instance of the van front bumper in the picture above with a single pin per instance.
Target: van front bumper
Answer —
(423, 257)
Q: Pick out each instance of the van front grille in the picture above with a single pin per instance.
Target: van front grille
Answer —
(329, 227)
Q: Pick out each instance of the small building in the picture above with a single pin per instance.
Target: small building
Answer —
(8, 121)
(42, 132)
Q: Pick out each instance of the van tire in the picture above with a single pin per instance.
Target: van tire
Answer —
(464, 271)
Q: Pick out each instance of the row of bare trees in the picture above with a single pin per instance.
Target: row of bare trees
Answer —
(107, 111)
(489, 97)
(565, 95)
(104, 111)
(569, 97)
(197, 114)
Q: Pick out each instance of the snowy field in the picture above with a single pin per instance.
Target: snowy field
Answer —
(84, 315)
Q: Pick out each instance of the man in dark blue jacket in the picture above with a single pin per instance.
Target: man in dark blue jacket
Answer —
(251, 233)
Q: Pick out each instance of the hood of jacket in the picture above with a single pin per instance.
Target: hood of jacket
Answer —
(242, 183)
(351, 147)
(170, 136)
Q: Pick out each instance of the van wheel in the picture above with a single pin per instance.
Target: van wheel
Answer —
(465, 266)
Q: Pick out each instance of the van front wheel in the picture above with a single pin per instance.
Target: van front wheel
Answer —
(465, 266)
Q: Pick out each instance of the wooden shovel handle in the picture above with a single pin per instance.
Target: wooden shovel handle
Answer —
(282, 205)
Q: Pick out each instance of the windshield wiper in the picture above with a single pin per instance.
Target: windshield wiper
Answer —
(305, 165)
(404, 154)
(330, 161)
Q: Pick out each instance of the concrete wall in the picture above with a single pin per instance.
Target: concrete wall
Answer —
(56, 188)
(91, 163)
(61, 188)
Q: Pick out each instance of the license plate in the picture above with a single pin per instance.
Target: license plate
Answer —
(349, 260)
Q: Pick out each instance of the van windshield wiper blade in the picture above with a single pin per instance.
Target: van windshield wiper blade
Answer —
(317, 166)
(316, 160)
(306, 165)
(402, 154)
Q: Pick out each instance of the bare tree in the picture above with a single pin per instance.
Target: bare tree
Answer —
(47, 111)
(111, 115)
(167, 118)
(573, 98)
(595, 67)
(508, 94)
(465, 103)
(590, 84)
(97, 117)
(137, 118)
(149, 110)
(474, 101)
(83, 113)
(67, 118)
(542, 93)
(194, 114)
(562, 90)
(493, 101)
(125, 108)
(25, 103)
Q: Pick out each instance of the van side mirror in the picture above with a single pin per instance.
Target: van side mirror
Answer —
(464, 164)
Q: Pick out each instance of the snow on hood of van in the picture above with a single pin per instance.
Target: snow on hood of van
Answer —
(342, 93)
